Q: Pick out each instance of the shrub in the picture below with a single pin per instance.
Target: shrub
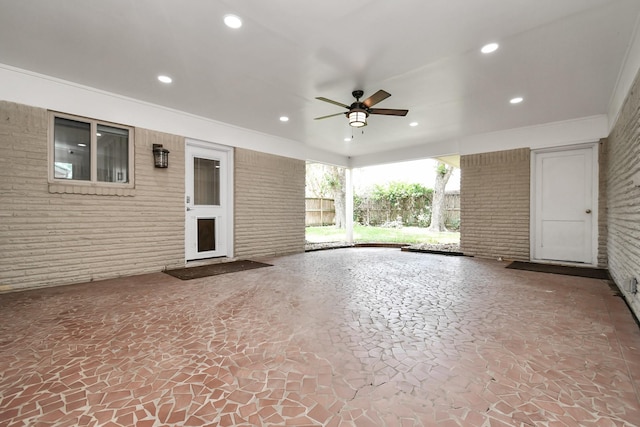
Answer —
(454, 225)
(393, 224)
(424, 218)
(392, 200)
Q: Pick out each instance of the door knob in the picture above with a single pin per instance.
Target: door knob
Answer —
(588, 211)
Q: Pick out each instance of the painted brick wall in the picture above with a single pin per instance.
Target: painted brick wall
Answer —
(602, 204)
(51, 237)
(623, 197)
(494, 204)
(269, 204)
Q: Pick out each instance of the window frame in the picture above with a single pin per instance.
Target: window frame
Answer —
(93, 181)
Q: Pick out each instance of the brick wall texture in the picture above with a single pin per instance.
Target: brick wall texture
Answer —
(57, 233)
(623, 197)
(494, 204)
(269, 204)
(602, 204)
(50, 236)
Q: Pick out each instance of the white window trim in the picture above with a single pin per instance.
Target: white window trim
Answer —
(57, 185)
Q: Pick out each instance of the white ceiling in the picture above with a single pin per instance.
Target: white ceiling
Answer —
(562, 56)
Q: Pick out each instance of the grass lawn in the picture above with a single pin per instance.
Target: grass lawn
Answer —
(366, 234)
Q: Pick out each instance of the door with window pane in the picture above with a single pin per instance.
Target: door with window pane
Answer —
(206, 195)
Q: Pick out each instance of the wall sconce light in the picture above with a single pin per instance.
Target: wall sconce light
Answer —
(160, 156)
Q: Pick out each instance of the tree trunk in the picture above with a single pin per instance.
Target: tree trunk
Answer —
(443, 173)
(338, 182)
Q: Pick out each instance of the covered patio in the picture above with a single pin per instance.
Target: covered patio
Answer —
(343, 337)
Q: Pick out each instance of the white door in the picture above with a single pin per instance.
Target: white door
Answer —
(564, 211)
(206, 188)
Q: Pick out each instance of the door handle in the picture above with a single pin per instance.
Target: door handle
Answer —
(188, 208)
(588, 211)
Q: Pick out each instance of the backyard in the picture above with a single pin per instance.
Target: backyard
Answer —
(369, 234)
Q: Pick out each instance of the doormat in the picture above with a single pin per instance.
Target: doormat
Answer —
(189, 273)
(594, 273)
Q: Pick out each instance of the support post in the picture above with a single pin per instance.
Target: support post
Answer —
(349, 204)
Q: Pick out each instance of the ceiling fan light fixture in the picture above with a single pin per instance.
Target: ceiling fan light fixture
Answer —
(357, 117)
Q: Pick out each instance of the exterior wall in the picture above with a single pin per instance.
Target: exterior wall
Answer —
(602, 204)
(50, 236)
(623, 196)
(495, 204)
(269, 204)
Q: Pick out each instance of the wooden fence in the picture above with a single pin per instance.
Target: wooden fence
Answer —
(415, 212)
(319, 212)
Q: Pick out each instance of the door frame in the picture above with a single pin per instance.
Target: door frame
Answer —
(228, 211)
(594, 146)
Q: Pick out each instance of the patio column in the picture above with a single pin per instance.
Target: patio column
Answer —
(349, 204)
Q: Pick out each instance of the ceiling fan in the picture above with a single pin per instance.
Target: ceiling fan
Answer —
(359, 111)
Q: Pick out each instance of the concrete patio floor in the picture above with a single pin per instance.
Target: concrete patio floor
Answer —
(345, 337)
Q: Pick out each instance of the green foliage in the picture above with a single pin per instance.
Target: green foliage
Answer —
(322, 180)
(454, 225)
(397, 192)
(424, 218)
(315, 180)
(441, 169)
(332, 178)
(397, 223)
(332, 181)
(394, 203)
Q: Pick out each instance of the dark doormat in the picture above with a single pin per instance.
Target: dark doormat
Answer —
(594, 273)
(189, 273)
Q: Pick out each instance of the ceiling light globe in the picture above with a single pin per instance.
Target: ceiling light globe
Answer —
(488, 48)
(232, 21)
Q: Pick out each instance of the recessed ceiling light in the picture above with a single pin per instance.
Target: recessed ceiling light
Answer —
(82, 145)
(165, 79)
(413, 124)
(488, 48)
(232, 21)
(347, 139)
(516, 100)
(284, 119)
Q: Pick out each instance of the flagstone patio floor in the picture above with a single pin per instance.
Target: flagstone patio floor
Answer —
(345, 337)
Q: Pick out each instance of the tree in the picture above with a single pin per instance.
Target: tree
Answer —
(328, 181)
(443, 173)
(316, 183)
(336, 181)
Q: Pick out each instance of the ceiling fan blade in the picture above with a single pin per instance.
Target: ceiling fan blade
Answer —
(330, 101)
(380, 95)
(330, 115)
(388, 111)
